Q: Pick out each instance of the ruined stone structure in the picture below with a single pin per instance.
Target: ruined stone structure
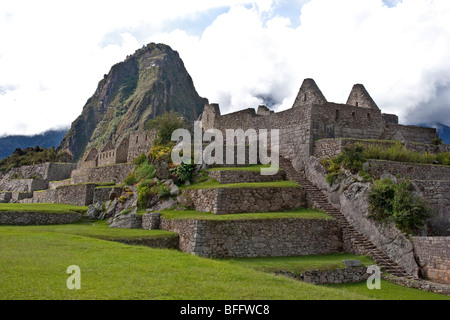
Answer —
(312, 118)
(126, 150)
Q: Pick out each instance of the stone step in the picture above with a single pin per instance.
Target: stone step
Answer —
(316, 196)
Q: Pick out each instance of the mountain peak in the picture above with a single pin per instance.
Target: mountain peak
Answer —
(146, 84)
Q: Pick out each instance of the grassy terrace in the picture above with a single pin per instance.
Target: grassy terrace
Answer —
(213, 184)
(34, 263)
(41, 207)
(300, 213)
(298, 265)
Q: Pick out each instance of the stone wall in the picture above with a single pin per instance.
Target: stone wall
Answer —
(41, 173)
(56, 184)
(347, 275)
(256, 238)
(332, 120)
(103, 194)
(38, 218)
(411, 171)
(433, 257)
(437, 195)
(79, 194)
(246, 200)
(23, 185)
(114, 173)
(44, 196)
(350, 197)
(332, 147)
(228, 176)
(139, 143)
(409, 133)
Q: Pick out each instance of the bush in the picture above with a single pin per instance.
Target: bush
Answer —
(164, 126)
(351, 158)
(398, 204)
(183, 172)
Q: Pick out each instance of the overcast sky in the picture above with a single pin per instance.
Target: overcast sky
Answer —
(239, 53)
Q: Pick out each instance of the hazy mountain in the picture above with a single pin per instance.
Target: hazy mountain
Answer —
(51, 138)
(147, 84)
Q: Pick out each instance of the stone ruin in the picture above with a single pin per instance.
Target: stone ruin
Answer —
(311, 129)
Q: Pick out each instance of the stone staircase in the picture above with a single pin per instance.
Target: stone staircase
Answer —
(364, 245)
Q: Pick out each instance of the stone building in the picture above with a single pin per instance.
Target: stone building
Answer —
(312, 118)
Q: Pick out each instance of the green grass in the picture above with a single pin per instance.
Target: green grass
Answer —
(300, 213)
(42, 207)
(33, 265)
(388, 291)
(250, 168)
(301, 264)
(94, 229)
(213, 184)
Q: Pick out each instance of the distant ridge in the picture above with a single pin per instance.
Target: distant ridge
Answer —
(47, 139)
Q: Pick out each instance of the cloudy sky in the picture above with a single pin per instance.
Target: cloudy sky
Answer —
(239, 53)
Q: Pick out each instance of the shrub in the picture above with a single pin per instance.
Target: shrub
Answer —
(161, 152)
(351, 158)
(140, 160)
(398, 204)
(183, 172)
(164, 126)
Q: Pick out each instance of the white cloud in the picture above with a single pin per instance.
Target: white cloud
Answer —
(54, 53)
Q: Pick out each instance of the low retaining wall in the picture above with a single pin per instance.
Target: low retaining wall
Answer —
(102, 194)
(228, 176)
(437, 195)
(114, 173)
(246, 200)
(159, 243)
(337, 276)
(411, 171)
(79, 195)
(433, 256)
(257, 238)
(38, 218)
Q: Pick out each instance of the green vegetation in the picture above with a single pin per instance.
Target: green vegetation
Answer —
(388, 291)
(398, 152)
(301, 264)
(352, 159)
(34, 265)
(213, 184)
(164, 126)
(30, 156)
(397, 203)
(42, 207)
(34, 260)
(183, 172)
(94, 229)
(300, 213)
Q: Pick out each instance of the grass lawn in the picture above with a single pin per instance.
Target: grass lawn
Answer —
(301, 264)
(33, 265)
(42, 207)
(94, 229)
(297, 265)
(213, 184)
(300, 213)
(388, 291)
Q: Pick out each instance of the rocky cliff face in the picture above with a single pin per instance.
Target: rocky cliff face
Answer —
(147, 84)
